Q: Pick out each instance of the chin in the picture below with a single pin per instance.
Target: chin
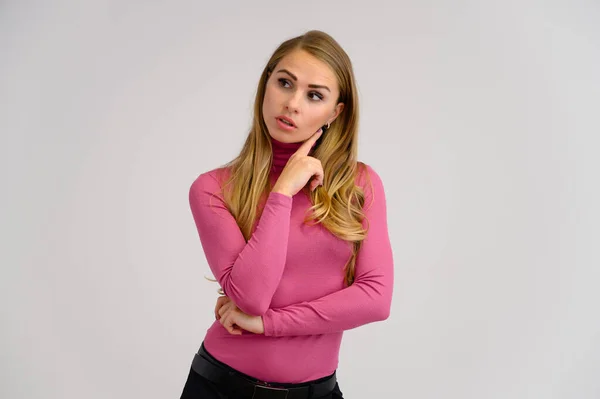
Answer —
(289, 139)
(283, 136)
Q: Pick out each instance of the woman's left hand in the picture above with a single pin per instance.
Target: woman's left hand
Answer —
(234, 320)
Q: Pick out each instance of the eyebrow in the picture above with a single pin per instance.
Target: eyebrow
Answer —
(312, 86)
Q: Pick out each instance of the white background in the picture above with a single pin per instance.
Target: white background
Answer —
(480, 117)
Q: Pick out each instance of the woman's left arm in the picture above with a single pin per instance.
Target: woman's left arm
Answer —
(367, 300)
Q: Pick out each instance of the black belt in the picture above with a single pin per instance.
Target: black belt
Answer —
(239, 384)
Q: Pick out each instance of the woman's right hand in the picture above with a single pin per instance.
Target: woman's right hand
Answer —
(299, 169)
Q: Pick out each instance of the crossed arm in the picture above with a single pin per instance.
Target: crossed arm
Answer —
(249, 277)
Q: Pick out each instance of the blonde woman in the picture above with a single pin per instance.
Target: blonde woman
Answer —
(294, 230)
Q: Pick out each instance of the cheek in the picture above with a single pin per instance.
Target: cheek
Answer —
(271, 93)
(268, 102)
(319, 118)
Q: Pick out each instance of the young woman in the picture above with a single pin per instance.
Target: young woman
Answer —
(295, 232)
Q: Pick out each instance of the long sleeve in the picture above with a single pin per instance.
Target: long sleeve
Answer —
(367, 300)
(248, 273)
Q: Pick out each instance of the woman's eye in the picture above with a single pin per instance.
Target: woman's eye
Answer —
(283, 82)
(314, 96)
(317, 95)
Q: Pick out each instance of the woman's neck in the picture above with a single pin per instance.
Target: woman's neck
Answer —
(282, 153)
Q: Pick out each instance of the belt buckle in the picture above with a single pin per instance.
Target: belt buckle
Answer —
(268, 392)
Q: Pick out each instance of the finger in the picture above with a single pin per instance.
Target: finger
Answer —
(221, 301)
(314, 184)
(218, 306)
(236, 330)
(225, 308)
(308, 144)
(223, 319)
(229, 317)
(318, 176)
(229, 324)
(226, 323)
(317, 180)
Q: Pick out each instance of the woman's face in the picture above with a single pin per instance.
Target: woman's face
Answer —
(304, 91)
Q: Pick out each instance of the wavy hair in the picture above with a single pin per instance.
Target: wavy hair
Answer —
(338, 203)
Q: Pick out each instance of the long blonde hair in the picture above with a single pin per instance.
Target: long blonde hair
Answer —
(338, 203)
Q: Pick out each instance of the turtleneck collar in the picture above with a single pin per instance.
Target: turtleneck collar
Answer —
(282, 153)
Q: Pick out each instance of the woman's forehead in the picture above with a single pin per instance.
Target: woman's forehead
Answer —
(307, 69)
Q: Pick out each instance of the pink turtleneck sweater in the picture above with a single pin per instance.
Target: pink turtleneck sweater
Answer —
(292, 275)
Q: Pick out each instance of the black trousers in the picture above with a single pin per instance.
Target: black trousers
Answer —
(198, 387)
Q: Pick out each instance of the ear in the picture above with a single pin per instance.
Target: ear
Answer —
(336, 112)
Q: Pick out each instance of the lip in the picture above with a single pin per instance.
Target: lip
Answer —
(287, 119)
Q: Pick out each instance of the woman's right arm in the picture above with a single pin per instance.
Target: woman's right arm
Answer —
(249, 272)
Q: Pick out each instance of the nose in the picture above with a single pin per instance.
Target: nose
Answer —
(293, 102)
